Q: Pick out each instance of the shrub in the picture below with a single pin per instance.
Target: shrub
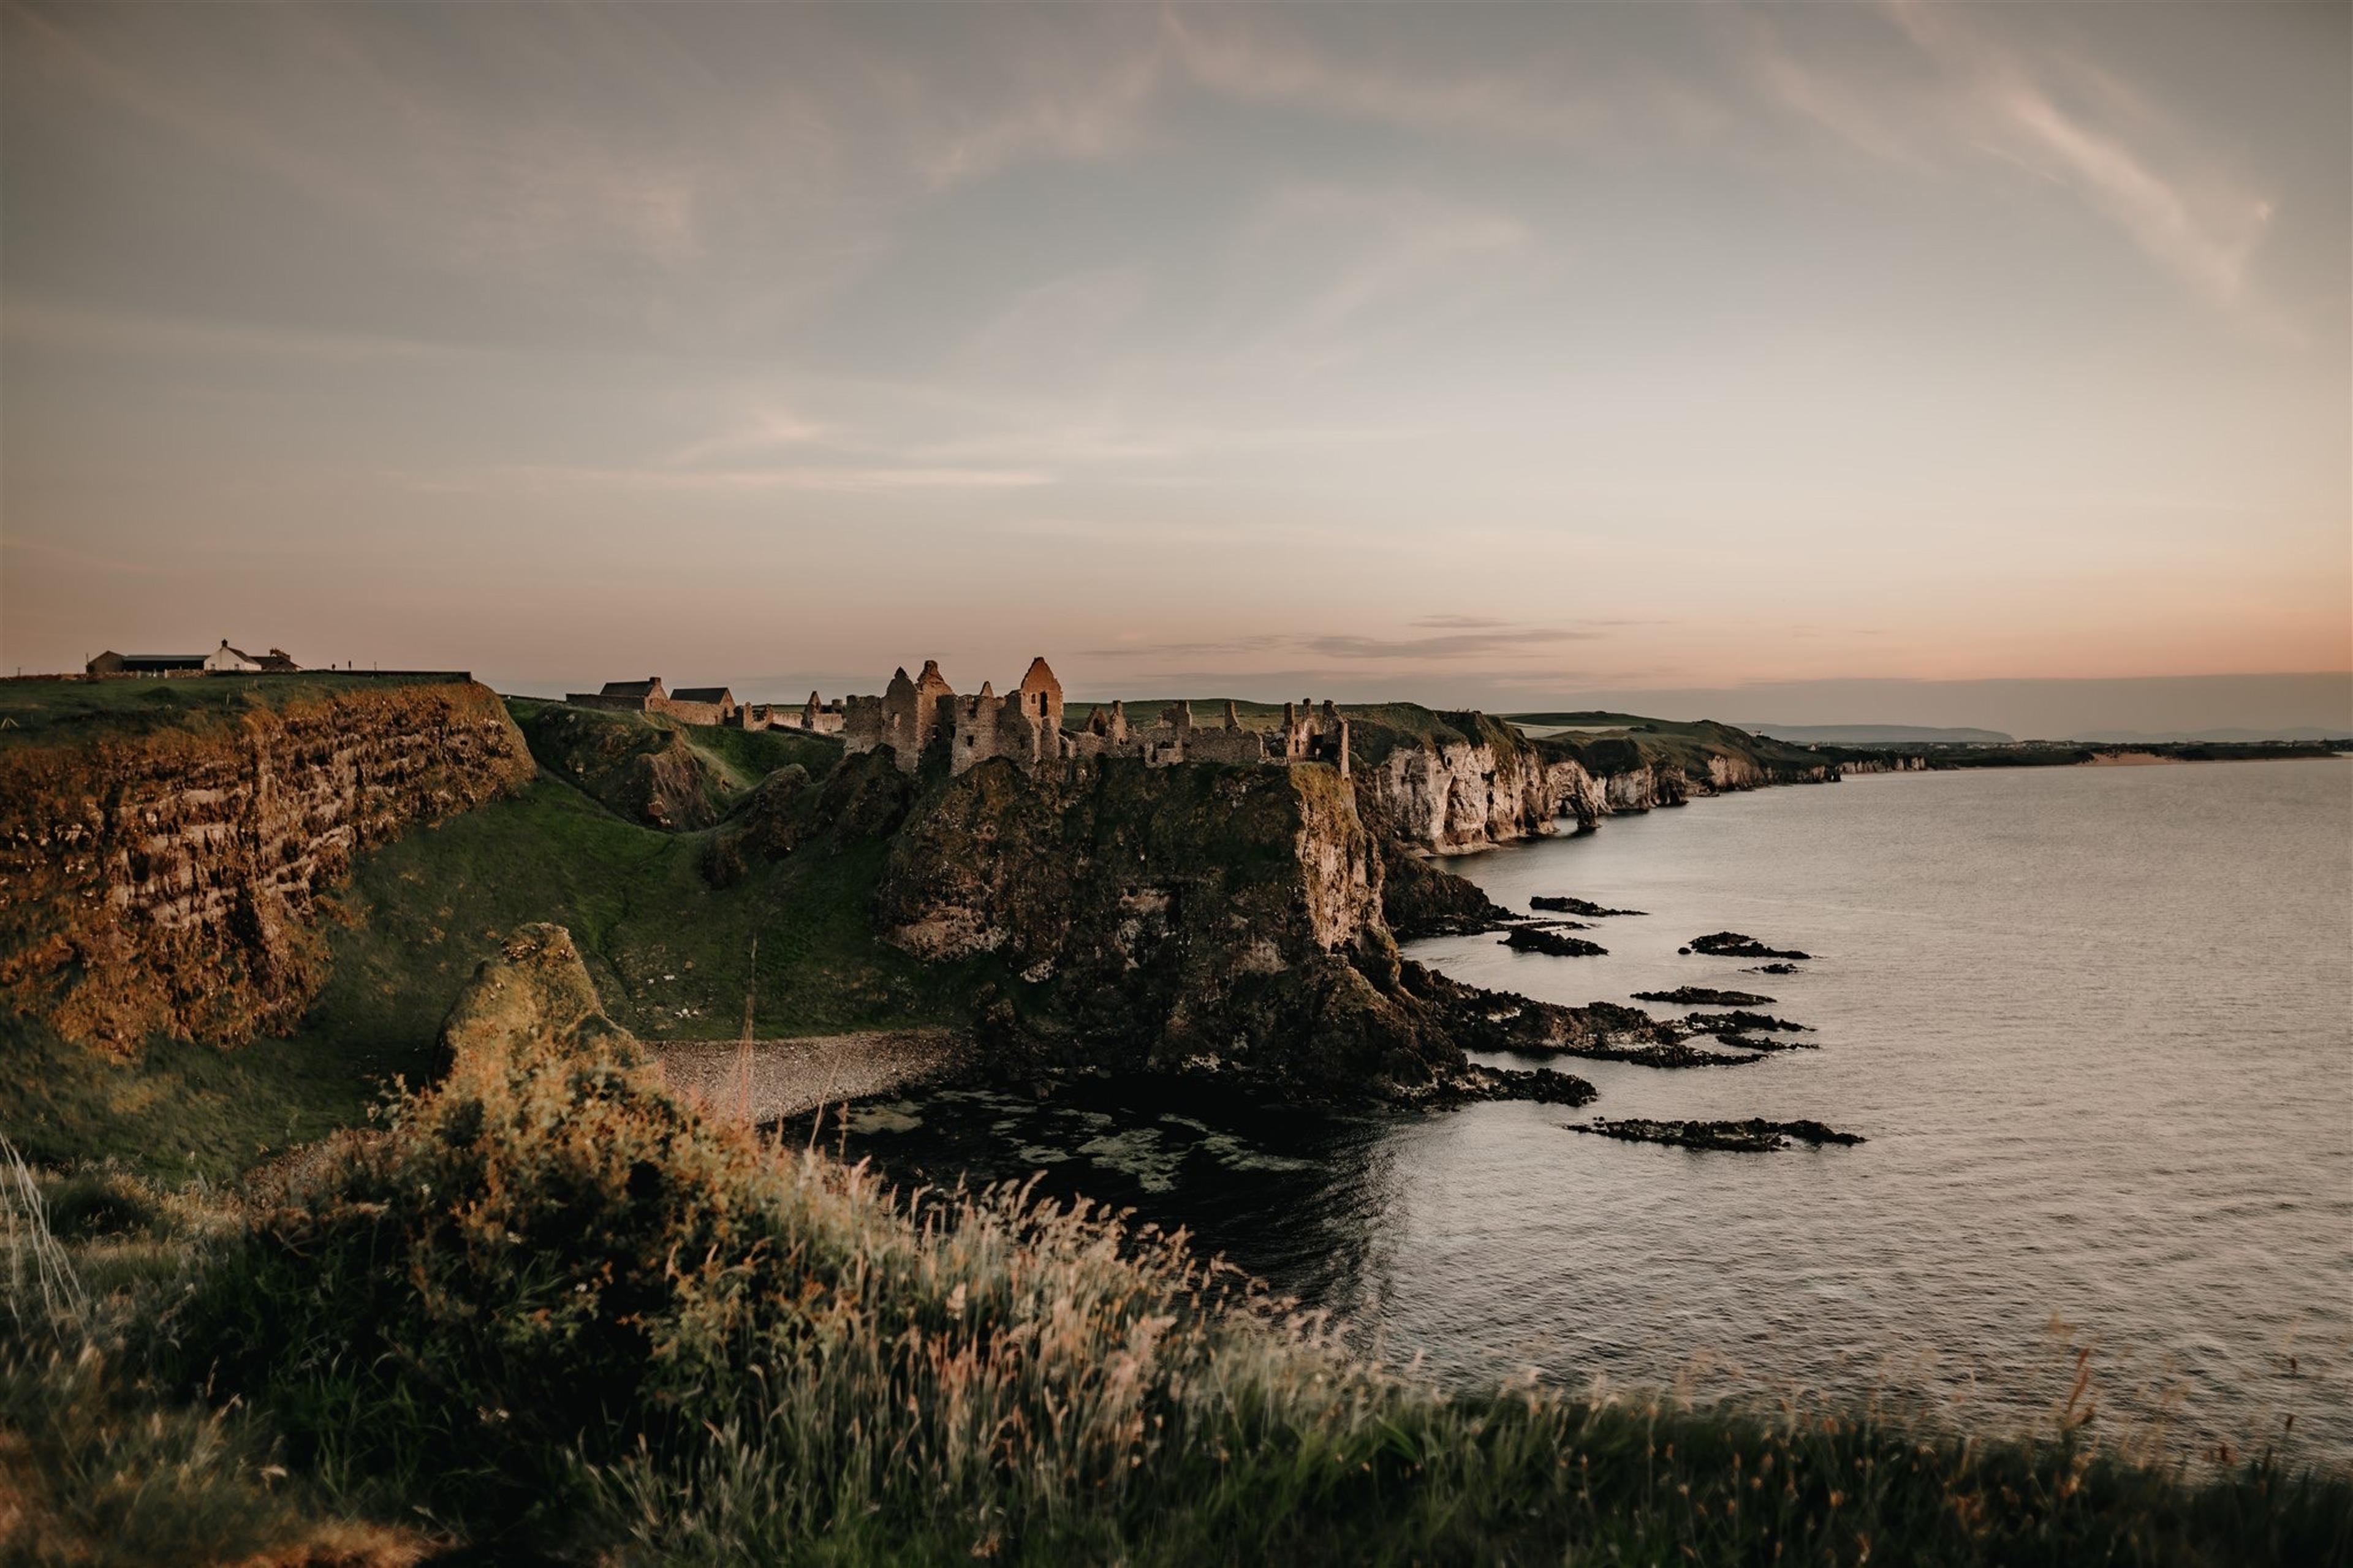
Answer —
(98, 1468)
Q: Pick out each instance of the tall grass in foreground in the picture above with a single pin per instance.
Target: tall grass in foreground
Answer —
(99, 1466)
(551, 1305)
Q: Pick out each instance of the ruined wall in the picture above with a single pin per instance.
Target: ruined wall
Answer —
(1301, 738)
(169, 881)
(815, 717)
(1022, 727)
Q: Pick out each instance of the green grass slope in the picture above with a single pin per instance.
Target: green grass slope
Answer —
(650, 768)
(674, 957)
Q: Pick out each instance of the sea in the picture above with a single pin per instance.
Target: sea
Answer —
(2095, 1023)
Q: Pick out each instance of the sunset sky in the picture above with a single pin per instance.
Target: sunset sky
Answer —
(1468, 354)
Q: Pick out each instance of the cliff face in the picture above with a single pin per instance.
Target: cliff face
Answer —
(169, 880)
(1213, 919)
(1472, 781)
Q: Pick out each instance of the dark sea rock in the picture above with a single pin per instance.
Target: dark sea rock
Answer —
(1742, 1023)
(1674, 1054)
(1480, 1020)
(1542, 1085)
(1753, 1136)
(1421, 900)
(1568, 906)
(1703, 997)
(1774, 969)
(1731, 944)
(1763, 1042)
(1538, 939)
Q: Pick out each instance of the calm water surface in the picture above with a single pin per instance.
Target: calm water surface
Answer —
(2098, 1024)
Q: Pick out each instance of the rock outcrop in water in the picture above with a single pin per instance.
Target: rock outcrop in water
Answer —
(1420, 899)
(1545, 939)
(169, 880)
(1742, 1023)
(1563, 904)
(1731, 944)
(1482, 1020)
(1703, 997)
(1755, 1136)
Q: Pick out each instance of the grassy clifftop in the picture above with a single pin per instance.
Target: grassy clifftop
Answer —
(49, 709)
(1605, 742)
(1618, 743)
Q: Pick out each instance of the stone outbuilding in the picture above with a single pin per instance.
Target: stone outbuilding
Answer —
(148, 664)
(701, 705)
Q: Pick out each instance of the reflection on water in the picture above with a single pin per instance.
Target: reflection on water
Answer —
(2095, 1023)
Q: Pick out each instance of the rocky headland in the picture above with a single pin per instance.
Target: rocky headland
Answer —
(1234, 923)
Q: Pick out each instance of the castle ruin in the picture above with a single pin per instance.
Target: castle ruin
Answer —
(925, 717)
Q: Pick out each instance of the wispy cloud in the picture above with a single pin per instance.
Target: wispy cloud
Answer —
(811, 477)
(1354, 647)
(764, 429)
(2047, 112)
(1258, 64)
(1063, 100)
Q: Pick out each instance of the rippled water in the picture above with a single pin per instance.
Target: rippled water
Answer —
(2098, 1024)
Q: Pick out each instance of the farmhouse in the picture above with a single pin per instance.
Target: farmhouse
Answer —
(222, 660)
